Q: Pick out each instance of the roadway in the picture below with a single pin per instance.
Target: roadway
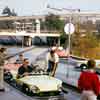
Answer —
(32, 55)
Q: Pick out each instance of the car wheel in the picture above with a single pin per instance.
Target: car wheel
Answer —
(25, 88)
(8, 77)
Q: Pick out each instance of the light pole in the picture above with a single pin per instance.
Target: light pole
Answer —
(70, 34)
(69, 28)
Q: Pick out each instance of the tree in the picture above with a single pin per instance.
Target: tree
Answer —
(53, 22)
(7, 12)
(98, 28)
(13, 13)
(64, 40)
(82, 46)
(7, 24)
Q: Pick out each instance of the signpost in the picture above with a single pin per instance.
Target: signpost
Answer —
(69, 29)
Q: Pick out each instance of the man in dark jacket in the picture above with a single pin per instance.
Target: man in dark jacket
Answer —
(25, 69)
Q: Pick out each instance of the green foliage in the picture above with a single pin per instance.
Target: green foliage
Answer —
(7, 12)
(7, 24)
(64, 40)
(82, 46)
(53, 22)
(92, 41)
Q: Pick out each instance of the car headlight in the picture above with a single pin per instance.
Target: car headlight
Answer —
(35, 89)
(59, 87)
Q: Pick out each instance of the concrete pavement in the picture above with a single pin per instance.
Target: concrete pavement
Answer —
(12, 94)
(11, 52)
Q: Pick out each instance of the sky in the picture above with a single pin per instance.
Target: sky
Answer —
(37, 7)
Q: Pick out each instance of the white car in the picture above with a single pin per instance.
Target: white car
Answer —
(35, 82)
(40, 83)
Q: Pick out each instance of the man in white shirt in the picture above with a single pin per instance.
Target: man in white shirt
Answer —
(52, 61)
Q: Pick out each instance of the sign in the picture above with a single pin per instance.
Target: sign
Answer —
(69, 28)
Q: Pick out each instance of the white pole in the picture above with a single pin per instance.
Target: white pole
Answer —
(69, 36)
(69, 45)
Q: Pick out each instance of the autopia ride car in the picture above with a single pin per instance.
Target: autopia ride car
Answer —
(35, 82)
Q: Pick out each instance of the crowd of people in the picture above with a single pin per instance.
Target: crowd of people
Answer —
(88, 83)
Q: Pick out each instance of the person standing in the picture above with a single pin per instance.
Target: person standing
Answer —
(88, 83)
(52, 61)
(2, 62)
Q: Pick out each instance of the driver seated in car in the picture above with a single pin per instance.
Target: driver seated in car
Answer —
(25, 69)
